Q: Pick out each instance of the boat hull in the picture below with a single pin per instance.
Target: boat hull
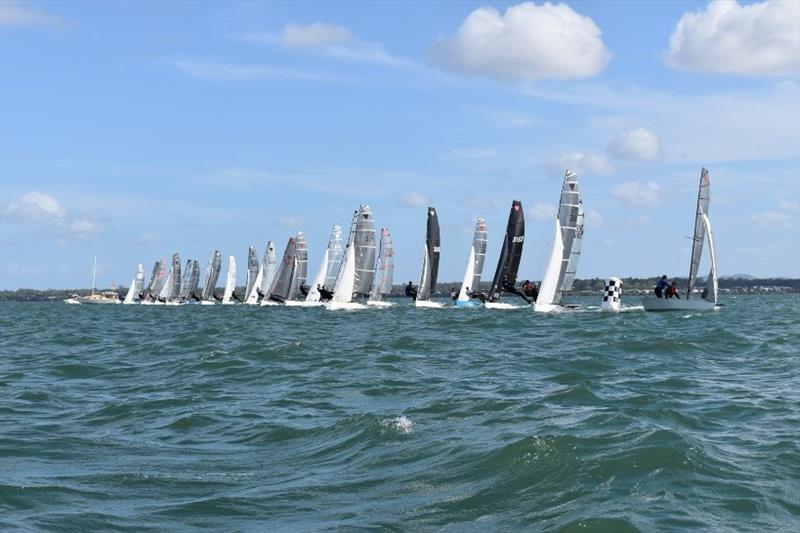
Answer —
(92, 301)
(427, 304)
(345, 306)
(502, 305)
(379, 303)
(676, 304)
(302, 303)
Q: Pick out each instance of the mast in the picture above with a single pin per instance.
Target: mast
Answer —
(703, 200)
(94, 272)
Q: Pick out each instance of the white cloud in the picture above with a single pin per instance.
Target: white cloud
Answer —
(593, 218)
(542, 211)
(789, 205)
(638, 195)
(529, 42)
(759, 39)
(314, 35)
(150, 239)
(778, 219)
(636, 222)
(210, 70)
(329, 39)
(467, 153)
(638, 144)
(580, 162)
(414, 199)
(291, 223)
(35, 207)
(478, 202)
(18, 14)
(47, 213)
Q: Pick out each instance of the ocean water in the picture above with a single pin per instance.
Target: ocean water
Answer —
(284, 419)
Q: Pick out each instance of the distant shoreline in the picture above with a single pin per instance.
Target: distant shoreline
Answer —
(582, 287)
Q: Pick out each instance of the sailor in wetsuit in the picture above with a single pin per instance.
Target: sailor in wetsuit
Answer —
(324, 294)
(411, 292)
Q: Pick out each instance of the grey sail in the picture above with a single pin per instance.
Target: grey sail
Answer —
(570, 219)
(505, 275)
(175, 278)
(430, 259)
(384, 268)
(703, 200)
(479, 245)
(212, 275)
(188, 272)
(335, 253)
(252, 271)
(575, 253)
(154, 286)
(300, 277)
(365, 250)
(279, 292)
(270, 266)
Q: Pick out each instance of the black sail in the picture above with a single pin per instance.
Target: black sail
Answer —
(286, 273)
(430, 261)
(505, 277)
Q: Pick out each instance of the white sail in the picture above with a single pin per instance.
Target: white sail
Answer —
(345, 282)
(575, 253)
(230, 281)
(335, 253)
(549, 286)
(711, 292)
(165, 289)
(384, 269)
(703, 200)
(136, 286)
(270, 265)
(319, 280)
(477, 254)
(466, 284)
(252, 298)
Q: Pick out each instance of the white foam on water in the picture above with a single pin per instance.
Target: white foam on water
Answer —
(401, 424)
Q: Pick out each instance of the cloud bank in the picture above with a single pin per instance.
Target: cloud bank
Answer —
(638, 144)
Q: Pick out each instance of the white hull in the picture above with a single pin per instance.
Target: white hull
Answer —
(99, 302)
(207, 302)
(267, 302)
(345, 306)
(72, 301)
(229, 303)
(173, 303)
(302, 303)
(427, 304)
(502, 305)
(676, 304)
(380, 303)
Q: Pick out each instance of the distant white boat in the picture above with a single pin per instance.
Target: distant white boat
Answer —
(212, 275)
(384, 273)
(254, 272)
(135, 288)
(358, 265)
(105, 297)
(430, 263)
(567, 238)
(270, 267)
(709, 298)
(474, 271)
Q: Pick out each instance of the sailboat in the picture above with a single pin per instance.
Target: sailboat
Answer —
(282, 286)
(173, 286)
(191, 278)
(298, 289)
(430, 263)
(230, 282)
(252, 281)
(105, 297)
(157, 280)
(135, 289)
(474, 271)
(330, 261)
(270, 267)
(709, 298)
(505, 276)
(384, 272)
(357, 271)
(212, 275)
(566, 250)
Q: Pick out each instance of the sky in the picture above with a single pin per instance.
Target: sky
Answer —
(131, 130)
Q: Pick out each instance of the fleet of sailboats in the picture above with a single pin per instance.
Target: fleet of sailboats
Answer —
(358, 272)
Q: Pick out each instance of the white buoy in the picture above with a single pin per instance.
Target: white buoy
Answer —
(612, 296)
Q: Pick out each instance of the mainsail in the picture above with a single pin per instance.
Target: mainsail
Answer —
(194, 281)
(279, 292)
(364, 251)
(156, 280)
(477, 255)
(505, 276)
(332, 253)
(186, 284)
(270, 266)
(230, 281)
(703, 200)
(430, 259)
(175, 279)
(345, 280)
(564, 255)
(384, 268)
(212, 275)
(136, 286)
(300, 277)
(252, 271)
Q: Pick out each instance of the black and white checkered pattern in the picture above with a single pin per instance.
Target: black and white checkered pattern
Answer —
(612, 294)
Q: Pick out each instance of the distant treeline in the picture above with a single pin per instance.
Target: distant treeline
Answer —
(586, 286)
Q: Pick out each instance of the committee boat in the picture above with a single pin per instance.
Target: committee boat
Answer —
(104, 297)
(430, 263)
(709, 298)
(567, 238)
(474, 271)
(505, 275)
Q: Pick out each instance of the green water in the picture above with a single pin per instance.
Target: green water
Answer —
(288, 419)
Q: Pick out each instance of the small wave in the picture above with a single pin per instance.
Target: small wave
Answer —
(401, 424)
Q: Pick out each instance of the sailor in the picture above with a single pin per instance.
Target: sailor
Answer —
(411, 292)
(454, 293)
(304, 289)
(534, 292)
(324, 294)
(661, 286)
(672, 290)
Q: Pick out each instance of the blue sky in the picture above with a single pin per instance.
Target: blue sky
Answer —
(134, 129)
